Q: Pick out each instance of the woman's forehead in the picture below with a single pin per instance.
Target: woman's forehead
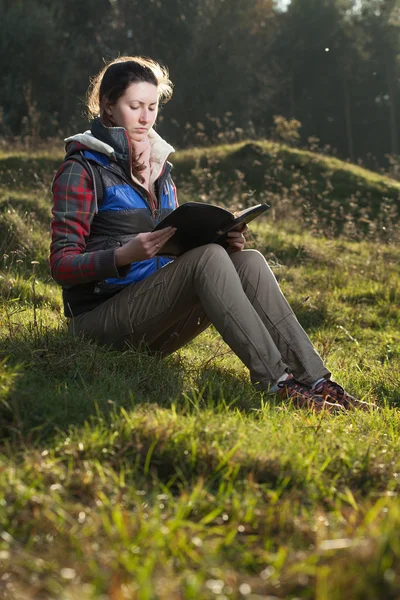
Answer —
(141, 91)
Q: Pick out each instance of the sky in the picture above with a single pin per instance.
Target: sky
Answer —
(282, 3)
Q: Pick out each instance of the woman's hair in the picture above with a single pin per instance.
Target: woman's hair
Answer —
(112, 81)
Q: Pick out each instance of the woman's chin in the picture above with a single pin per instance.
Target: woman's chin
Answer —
(138, 137)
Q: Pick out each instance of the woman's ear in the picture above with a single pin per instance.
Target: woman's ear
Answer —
(108, 109)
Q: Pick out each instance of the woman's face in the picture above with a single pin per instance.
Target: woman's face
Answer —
(136, 109)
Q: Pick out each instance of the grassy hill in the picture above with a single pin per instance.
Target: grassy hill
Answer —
(123, 476)
(322, 191)
(342, 197)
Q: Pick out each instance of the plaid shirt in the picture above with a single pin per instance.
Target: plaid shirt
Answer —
(73, 211)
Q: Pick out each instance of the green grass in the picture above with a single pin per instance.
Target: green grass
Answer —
(126, 476)
(322, 191)
(273, 149)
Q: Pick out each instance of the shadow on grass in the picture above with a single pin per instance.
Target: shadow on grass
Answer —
(59, 382)
(313, 317)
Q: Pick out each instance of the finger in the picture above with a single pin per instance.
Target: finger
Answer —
(156, 235)
(161, 240)
(237, 239)
(237, 242)
(152, 238)
(162, 236)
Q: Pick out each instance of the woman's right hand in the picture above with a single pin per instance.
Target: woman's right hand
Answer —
(143, 246)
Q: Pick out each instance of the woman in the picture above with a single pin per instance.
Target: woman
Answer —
(118, 291)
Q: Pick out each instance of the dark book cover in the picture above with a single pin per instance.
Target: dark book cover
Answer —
(198, 224)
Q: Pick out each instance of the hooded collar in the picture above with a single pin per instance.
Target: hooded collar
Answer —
(114, 143)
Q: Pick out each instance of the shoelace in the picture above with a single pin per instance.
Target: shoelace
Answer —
(297, 386)
(329, 384)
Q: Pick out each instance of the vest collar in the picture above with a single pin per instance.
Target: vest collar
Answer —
(117, 139)
(114, 143)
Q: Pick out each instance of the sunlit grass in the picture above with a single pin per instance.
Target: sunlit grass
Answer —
(276, 149)
(123, 476)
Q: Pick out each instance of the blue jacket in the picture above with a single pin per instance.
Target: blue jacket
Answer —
(121, 210)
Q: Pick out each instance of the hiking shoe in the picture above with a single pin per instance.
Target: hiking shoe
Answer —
(333, 392)
(301, 397)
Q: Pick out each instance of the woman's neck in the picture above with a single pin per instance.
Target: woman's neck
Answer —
(142, 156)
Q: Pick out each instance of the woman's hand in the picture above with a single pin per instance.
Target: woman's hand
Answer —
(143, 246)
(236, 240)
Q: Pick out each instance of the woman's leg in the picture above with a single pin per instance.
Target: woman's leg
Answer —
(264, 293)
(205, 277)
(181, 332)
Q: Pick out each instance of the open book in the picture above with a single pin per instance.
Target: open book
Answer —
(198, 224)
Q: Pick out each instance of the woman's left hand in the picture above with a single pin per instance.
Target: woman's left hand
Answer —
(236, 241)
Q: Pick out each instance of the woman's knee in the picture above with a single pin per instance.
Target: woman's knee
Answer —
(252, 265)
(212, 255)
(214, 250)
(205, 260)
(204, 252)
(249, 258)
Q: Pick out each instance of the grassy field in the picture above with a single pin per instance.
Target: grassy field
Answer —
(126, 477)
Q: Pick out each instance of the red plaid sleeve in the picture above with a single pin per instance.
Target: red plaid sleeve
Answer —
(73, 211)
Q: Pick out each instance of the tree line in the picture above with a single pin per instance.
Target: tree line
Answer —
(331, 65)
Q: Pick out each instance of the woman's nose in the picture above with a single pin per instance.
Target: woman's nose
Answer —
(144, 116)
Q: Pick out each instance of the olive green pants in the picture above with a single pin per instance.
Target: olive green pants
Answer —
(236, 292)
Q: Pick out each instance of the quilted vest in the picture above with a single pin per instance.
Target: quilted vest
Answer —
(123, 210)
